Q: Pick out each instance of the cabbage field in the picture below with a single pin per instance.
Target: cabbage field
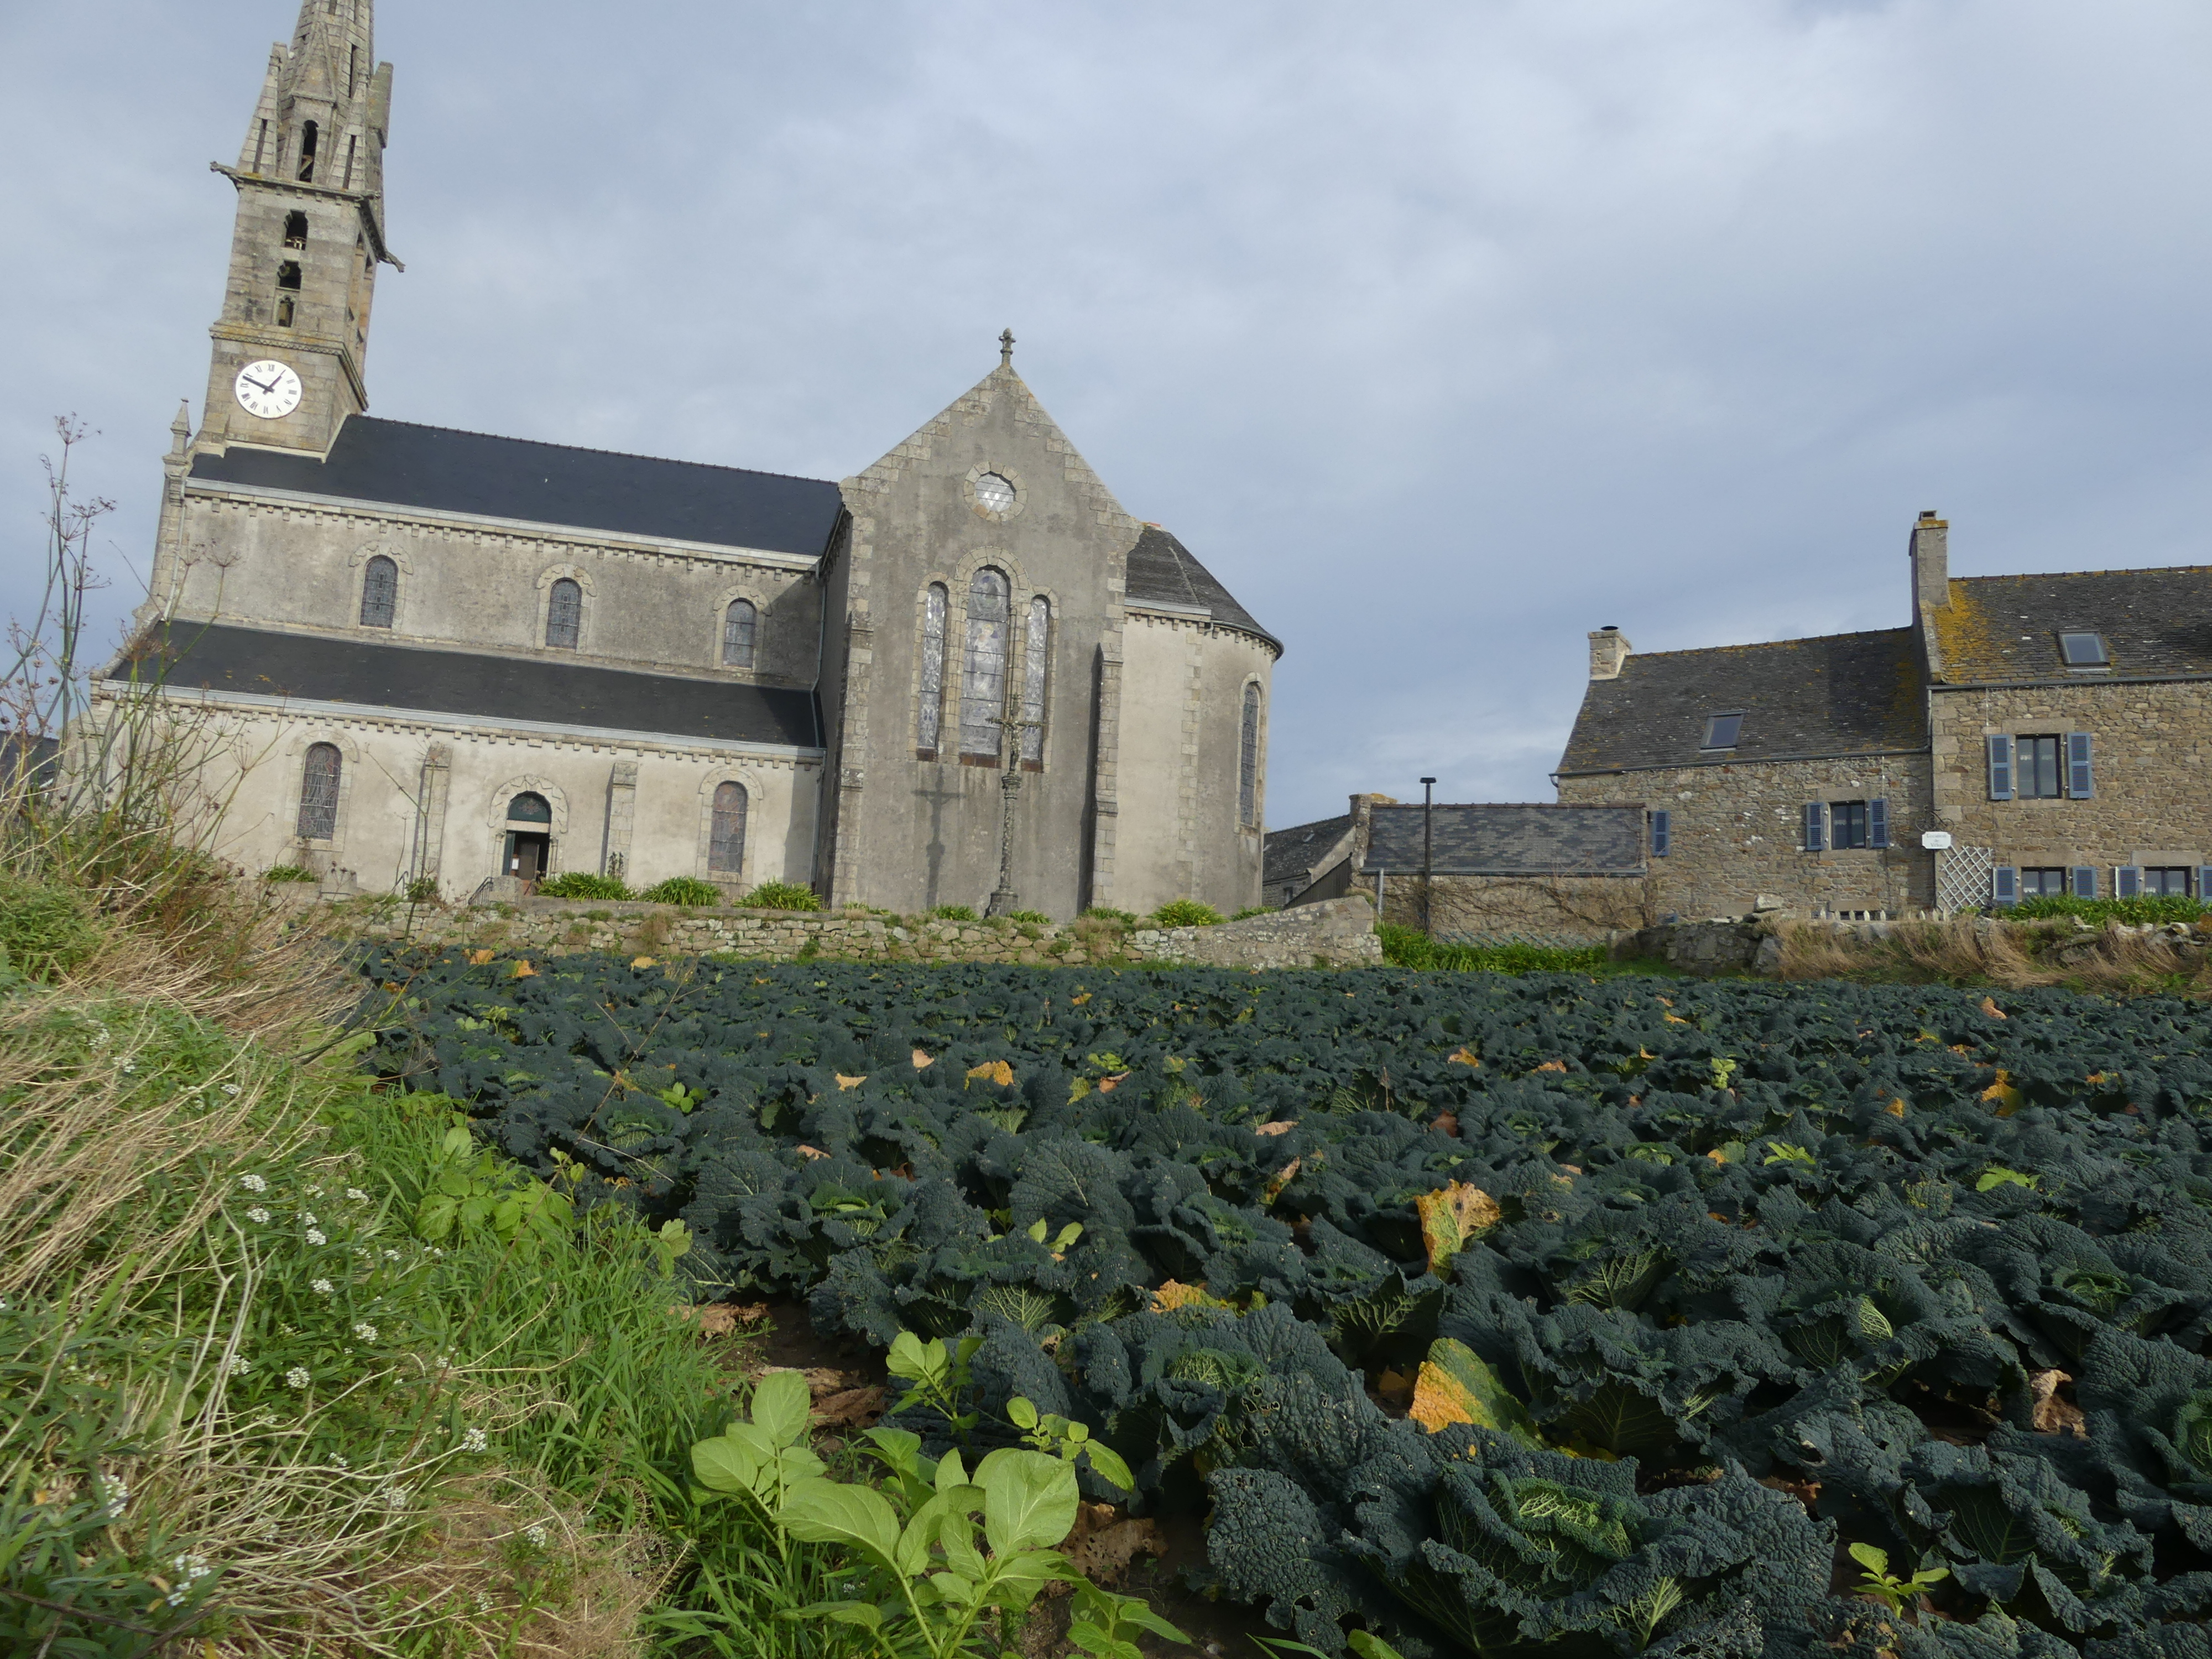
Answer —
(1513, 1315)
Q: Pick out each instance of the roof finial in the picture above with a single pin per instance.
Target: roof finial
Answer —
(1005, 347)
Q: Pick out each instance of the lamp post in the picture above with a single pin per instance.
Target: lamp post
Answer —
(1428, 849)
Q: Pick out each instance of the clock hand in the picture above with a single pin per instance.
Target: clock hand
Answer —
(266, 386)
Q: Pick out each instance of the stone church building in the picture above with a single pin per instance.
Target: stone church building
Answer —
(964, 674)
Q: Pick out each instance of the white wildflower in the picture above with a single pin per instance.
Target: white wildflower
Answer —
(483, 1601)
(118, 1494)
(391, 1496)
(314, 1237)
(535, 1532)
(314, 1192)
(102, 1036)
(296, 1378)
(258, 1215)
(365, 1331)
(340, 1461)
(356, 1195)
(309, 1219)
(475, 1441)
(253, 1183)
(230, 1089)
(237, 1365)
(193, 1568)
(322, 1287)
(391, 1255)
(129, 1069)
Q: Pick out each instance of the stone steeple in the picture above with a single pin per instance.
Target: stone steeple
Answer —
(308, 239)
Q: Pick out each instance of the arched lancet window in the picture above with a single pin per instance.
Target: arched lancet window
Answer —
(740, 626)
(725, 842)
(564, 614)
(296, 230)
(1247, 760)
(1035, 670)
(529, 808)
(380, 592)
(318, 792)
(983, 674)
(934, 605)
(309, 135)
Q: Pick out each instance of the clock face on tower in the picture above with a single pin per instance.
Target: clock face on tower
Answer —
(269, 389)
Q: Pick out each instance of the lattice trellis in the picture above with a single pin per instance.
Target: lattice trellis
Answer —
(1962, 878)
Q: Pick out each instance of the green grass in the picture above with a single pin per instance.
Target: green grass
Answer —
(683, 890)
(1186, 913)
(2134, 911)
(783, 896)
(1408, 947)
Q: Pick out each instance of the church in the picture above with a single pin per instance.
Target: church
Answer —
(422, 657)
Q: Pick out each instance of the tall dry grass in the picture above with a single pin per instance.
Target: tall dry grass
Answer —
(1982, 950)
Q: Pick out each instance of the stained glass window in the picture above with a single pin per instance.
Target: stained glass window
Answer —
(983, 673)
(319, 793)
(1034, 672)
(725, 846)
(996, 493)
(380, 592)
(934, 607)
(1247, 760)
(740, 622)
(564, 614)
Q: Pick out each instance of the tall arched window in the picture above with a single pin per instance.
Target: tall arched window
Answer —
(983, 674)
(318, 792)
(380, 592)
(740, 627)
(1247, 760)
(564, 614)
(934, 605)
(725, 841)
(1034, 669)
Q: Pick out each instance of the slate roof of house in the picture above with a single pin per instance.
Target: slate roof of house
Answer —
(1162, 569)
(1291, 853)
(1494, 840)
(2155, 622)
(404, 465)
(1841, 694)
(220, 659)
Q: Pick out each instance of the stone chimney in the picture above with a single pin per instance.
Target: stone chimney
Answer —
(1931, 564)
(1609, 649)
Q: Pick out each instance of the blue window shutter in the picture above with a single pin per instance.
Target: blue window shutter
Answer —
(1661, 834)
(2000, 768)
(1877, 824)
(1814, 841)
(2127, 881)
(2203, 879)
(2004, 884)
(2081, 780)
(2085, 881)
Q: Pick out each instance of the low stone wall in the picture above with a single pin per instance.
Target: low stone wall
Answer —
(1338, 934)
(1746, 944)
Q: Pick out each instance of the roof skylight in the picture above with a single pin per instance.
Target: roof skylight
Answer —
(1721, 731)
(2083, 651)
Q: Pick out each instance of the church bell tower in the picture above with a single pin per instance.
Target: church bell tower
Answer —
(291, 344)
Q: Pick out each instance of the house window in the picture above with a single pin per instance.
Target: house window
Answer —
(2043, 883)
(983, 673)
(934, 605)
(725, 841)
(1248, 759)
(380, 592)
(2084, 651)
(1847, 820)
(1035, 668)
(740, 624)
(1663, 834)
(1846, 823)
(2036, 761)
(1721, 731)
(2164, 882)
(295, 231)
(564, 614)
(318, 792)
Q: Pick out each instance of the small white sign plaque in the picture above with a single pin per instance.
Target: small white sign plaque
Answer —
(1935, 840)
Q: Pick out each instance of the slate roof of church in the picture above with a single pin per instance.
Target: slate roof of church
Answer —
(1840, 693)
(220, 659)
(1291, 853)
(2155, 622)
(1162, 570)
(402, 465)
(1505, 840)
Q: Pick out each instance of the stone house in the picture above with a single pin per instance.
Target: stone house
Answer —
(1487, 871)
(2022, 735)
(963, 675)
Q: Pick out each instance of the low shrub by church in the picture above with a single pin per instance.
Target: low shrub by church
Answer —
(1511, 1314)
(583, 885)
(783, 896)
(687, 890)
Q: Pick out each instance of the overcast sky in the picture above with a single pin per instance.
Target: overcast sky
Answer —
(1441, 332)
